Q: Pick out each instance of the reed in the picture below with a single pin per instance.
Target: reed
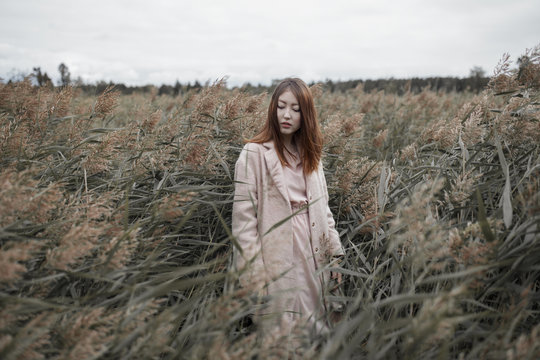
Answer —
(115, 235)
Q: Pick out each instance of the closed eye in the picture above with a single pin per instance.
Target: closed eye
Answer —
(281, 106)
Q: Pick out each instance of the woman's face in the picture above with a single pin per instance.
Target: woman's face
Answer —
(288, 114)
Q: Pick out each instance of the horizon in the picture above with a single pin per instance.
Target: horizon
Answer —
(56, 80)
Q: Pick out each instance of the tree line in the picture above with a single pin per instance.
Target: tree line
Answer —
(475, 82)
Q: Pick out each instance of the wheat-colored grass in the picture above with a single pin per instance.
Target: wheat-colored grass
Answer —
(115, 214)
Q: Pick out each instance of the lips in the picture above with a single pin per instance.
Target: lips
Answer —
(286, 124)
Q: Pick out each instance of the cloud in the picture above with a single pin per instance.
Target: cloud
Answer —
(140, 42)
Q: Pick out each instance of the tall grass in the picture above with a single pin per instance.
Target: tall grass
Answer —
(115, 214)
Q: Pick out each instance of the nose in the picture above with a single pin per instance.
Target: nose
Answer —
(287, 114)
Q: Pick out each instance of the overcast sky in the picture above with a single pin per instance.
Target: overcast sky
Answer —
(140, 42)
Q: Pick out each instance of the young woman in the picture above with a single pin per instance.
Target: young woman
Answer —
(284, 230)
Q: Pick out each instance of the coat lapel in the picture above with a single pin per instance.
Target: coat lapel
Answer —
(275, 169)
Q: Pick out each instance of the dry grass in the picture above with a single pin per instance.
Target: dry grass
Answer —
(115, 213)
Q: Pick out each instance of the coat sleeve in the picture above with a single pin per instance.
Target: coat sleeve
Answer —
(335, 243)
(247, 250)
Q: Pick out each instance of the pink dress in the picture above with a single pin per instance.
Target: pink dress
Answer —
(302, 303)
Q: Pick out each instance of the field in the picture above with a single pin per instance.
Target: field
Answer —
(115, 222)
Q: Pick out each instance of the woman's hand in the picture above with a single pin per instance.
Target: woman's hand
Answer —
(336, 276)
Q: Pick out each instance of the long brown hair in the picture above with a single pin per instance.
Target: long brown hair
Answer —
(308, 138)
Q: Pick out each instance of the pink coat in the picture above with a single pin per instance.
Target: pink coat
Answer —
(261, 216)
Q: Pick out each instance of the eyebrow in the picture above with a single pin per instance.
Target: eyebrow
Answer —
(283, 101)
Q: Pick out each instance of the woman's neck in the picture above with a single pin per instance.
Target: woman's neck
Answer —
(290, 144)
(287, 140)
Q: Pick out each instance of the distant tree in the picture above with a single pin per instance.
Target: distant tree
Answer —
(177, 88)
(65, 76)
(42, 78)
(101, 85)
(330, 85)
(477, 72)
(477, 79)
(78, 82)
(165, 90)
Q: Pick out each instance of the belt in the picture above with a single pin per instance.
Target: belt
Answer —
(297, 205)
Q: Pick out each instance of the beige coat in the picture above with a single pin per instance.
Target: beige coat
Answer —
(261, 216)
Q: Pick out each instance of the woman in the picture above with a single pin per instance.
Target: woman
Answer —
(281, 221)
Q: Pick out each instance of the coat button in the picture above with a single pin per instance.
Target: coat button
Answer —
(316, 250)
(313, 224)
